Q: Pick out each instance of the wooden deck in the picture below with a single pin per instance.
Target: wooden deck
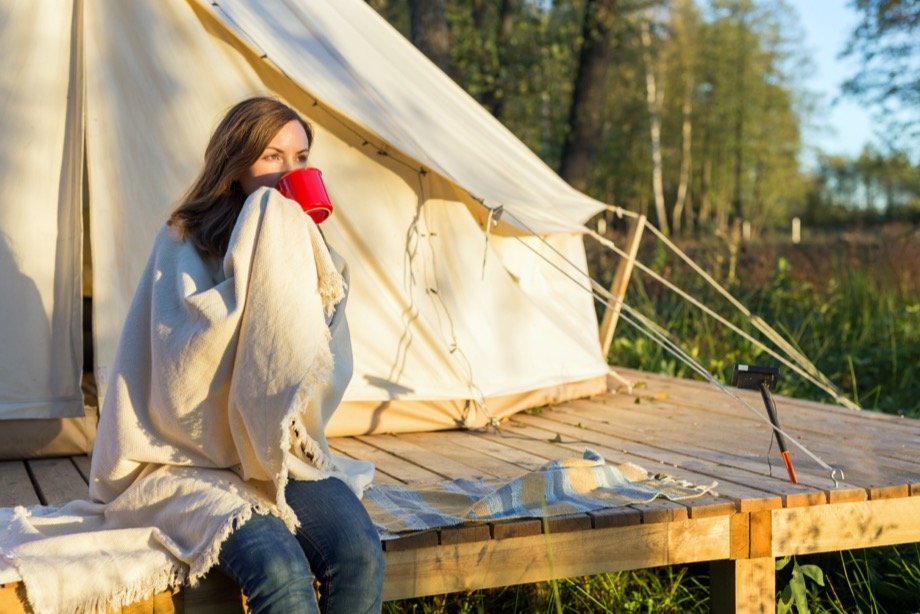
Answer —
(682, 428)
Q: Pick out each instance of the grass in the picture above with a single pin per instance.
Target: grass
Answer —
(669, 590)
(857, 318)
(859, 330)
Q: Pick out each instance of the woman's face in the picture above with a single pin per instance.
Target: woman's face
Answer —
(287, 151)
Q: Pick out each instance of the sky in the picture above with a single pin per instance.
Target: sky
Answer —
(847, 127)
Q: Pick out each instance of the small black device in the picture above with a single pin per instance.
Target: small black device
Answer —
(753, 377)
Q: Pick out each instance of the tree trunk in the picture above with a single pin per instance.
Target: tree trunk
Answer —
(686, 139)
(705, 192)
(737, 199)
(586, 114)
(429, 30)
(653, 98)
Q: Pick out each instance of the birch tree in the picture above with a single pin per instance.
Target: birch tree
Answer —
(653, 97)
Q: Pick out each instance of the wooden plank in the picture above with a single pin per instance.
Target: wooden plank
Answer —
(620, 283)
(661, 510)
(161, 603)
(721, 436)
(743, 586)
(863, 524)
(698, 391)
(615, 517)
(863, 441)
(843, 494)
(489, 457)
(519, 527)
(12, 597)
(422, 539)
(83, 463)
(731, 481)
(706, 507)
(534, 439)
(567, 522)
(761, 534)
(464, 534)
(428, 457)
(694, 394)
(740, 536)
(892, 491)
(58, 480)
(15, 485)
(386, 463)
(380, 477)
(592, 414)
(468, 566)
(167, 602)
(715, 442)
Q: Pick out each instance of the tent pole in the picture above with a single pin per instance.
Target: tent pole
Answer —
(620, 282)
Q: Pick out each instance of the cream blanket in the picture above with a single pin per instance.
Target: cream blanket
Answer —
(225, 377)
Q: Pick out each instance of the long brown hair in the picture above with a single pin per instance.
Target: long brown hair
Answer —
(208, 210)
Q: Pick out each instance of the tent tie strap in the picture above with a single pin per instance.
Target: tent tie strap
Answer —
(495, 214)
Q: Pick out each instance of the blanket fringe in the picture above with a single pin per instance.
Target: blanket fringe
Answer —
(330, 283)
(294, 432)
(209, 558)
(123, 596)
(126, 595)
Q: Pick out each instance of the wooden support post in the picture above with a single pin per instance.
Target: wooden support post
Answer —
(743, 586)
(620, 282)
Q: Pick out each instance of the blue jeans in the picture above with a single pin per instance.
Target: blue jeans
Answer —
(336, 545)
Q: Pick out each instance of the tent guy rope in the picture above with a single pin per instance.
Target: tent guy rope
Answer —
(651, 330)
(805, 369)
(756, 321)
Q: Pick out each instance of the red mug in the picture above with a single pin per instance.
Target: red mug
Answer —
(305, 185)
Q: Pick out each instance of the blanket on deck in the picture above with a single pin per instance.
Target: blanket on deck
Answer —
(559, 487)
(224, 379)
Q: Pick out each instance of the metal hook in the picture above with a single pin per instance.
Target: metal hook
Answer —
(834, 473)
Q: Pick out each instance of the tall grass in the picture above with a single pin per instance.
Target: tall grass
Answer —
(859, 330)
(669, 590)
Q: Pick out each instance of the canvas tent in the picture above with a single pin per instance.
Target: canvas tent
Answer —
(106, 107)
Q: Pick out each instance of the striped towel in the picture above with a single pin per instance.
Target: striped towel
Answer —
(559, 487)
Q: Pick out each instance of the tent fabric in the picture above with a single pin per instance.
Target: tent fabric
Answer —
(351, 59)
(451, 326)
(40, 224)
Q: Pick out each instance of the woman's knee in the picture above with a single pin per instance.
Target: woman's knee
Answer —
(362, 550)
(268, 564)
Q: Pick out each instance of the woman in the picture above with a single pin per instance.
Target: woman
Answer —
(259, 140)
(210, 449)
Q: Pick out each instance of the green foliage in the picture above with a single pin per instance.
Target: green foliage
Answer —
(873, 185)
(731, 76)
(859, 327)
(669, 590)
(886, 41)
(795, 593)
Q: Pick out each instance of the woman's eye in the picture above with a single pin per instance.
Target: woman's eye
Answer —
(302, 158)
